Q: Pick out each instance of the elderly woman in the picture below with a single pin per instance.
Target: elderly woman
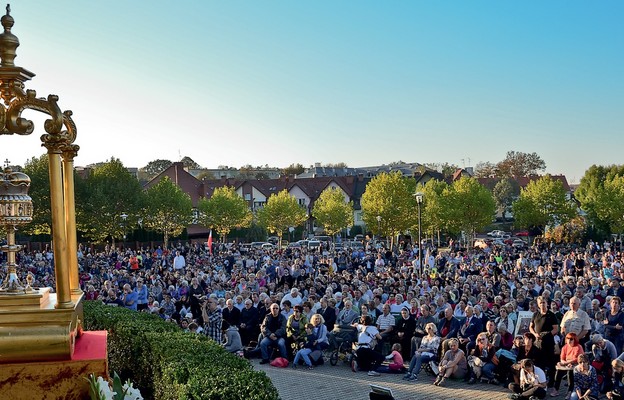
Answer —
(427, 351)
(453, 364)
(320, 331)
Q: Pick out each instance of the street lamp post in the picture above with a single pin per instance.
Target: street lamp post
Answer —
(378, 229)
(419, 200)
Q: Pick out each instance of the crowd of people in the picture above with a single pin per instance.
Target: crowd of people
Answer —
(522, 318)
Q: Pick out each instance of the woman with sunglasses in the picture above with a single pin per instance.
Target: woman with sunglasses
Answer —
(480, 361)
(585, 380)
(568, 360)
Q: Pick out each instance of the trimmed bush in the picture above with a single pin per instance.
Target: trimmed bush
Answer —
(166, 363)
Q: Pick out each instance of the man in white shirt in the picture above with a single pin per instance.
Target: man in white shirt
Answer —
(294, 297)
(178, 261)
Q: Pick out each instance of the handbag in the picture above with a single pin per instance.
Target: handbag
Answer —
(279, 362)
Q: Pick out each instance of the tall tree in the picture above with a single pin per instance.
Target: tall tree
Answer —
(446, 169)
(167, 209)
(224, 211)
(434, 208)
(38, 171)
(280, 212)
(610, 203)
(517, 163)
(155, 167)
(543, 202)
(112, 192)
(470, 206)
(504, 192)
(485, 169)
(189, 163)
(391, 197)
(332, 211)
(293, 169)
(590, 192)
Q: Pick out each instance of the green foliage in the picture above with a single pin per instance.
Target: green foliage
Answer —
(332, 212)
(154, 168)
(572, 231)
(224, 211)
(504, 193)
(112, 191)
(280, 212)
(167, 209)
(543, 203)
(596, 195)
(167, 363)
(390, 196)
(189, 163)
(38, 171)
(516, 163)
(468, 206)
(293, 169)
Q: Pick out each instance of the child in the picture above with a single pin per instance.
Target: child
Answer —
(309, 346)
(396, 365)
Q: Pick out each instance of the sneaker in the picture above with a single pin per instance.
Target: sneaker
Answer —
(472, 381)
(406, 376)
(310, 366)
(513, 396)
(354, 366)
(533, 398)
(293, 366)
(494, 381)
(373, 373)
(437, 380)
(553, 392)
(441, 382)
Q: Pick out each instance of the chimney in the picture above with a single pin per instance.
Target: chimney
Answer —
(360, 177)
(317, 165)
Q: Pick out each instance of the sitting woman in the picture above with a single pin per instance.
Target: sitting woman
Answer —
(568, 360)
(585, 381)
(320, 330)
(426, 352)
(366, 358)
(492, 334)
(453, 363)
(295, 329)
(480, 361)
(532, 382)
(233, 342)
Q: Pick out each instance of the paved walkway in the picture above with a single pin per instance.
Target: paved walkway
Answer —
(340, 383)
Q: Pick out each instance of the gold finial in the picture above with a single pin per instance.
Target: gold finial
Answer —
(8, 41)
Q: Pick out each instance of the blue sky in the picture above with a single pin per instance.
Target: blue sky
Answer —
(361, 82)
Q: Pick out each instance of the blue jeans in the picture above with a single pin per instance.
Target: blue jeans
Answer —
(279, 342)
(417, 361)
(305, 354)
(488, 370)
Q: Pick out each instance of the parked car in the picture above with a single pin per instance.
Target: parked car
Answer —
(268, 246)
(522, 233)
(245, 247)
(257, 245)
(314, 245)
(496, 233)
(273, 240)
(519, 244)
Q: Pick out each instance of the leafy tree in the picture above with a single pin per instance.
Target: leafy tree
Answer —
(331, 211)
(112, 191)
(293, 169)
(469, 206)
(543, 203)
(504, 192)
(590, 194)
(224, 211)
(485, 170)
(38, 171)
(572, 231)
(390, 196)
(153, 168)
(446, 169)
(280, 212)
(433, 208)
(610, 203)
(189, 163)
(206, 175)
(517, 163)
(336, 165)
(167, 209)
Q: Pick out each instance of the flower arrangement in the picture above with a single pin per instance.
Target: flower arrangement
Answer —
(100, 389)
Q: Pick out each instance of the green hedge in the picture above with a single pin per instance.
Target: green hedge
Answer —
(166, 363)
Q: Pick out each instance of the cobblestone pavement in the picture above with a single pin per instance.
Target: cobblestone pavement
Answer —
(340, 383)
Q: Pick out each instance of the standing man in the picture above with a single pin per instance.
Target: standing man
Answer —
(212, 319)
(576, 321)
(178, 261)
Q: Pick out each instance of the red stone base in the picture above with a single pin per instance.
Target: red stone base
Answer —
(57, 379)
